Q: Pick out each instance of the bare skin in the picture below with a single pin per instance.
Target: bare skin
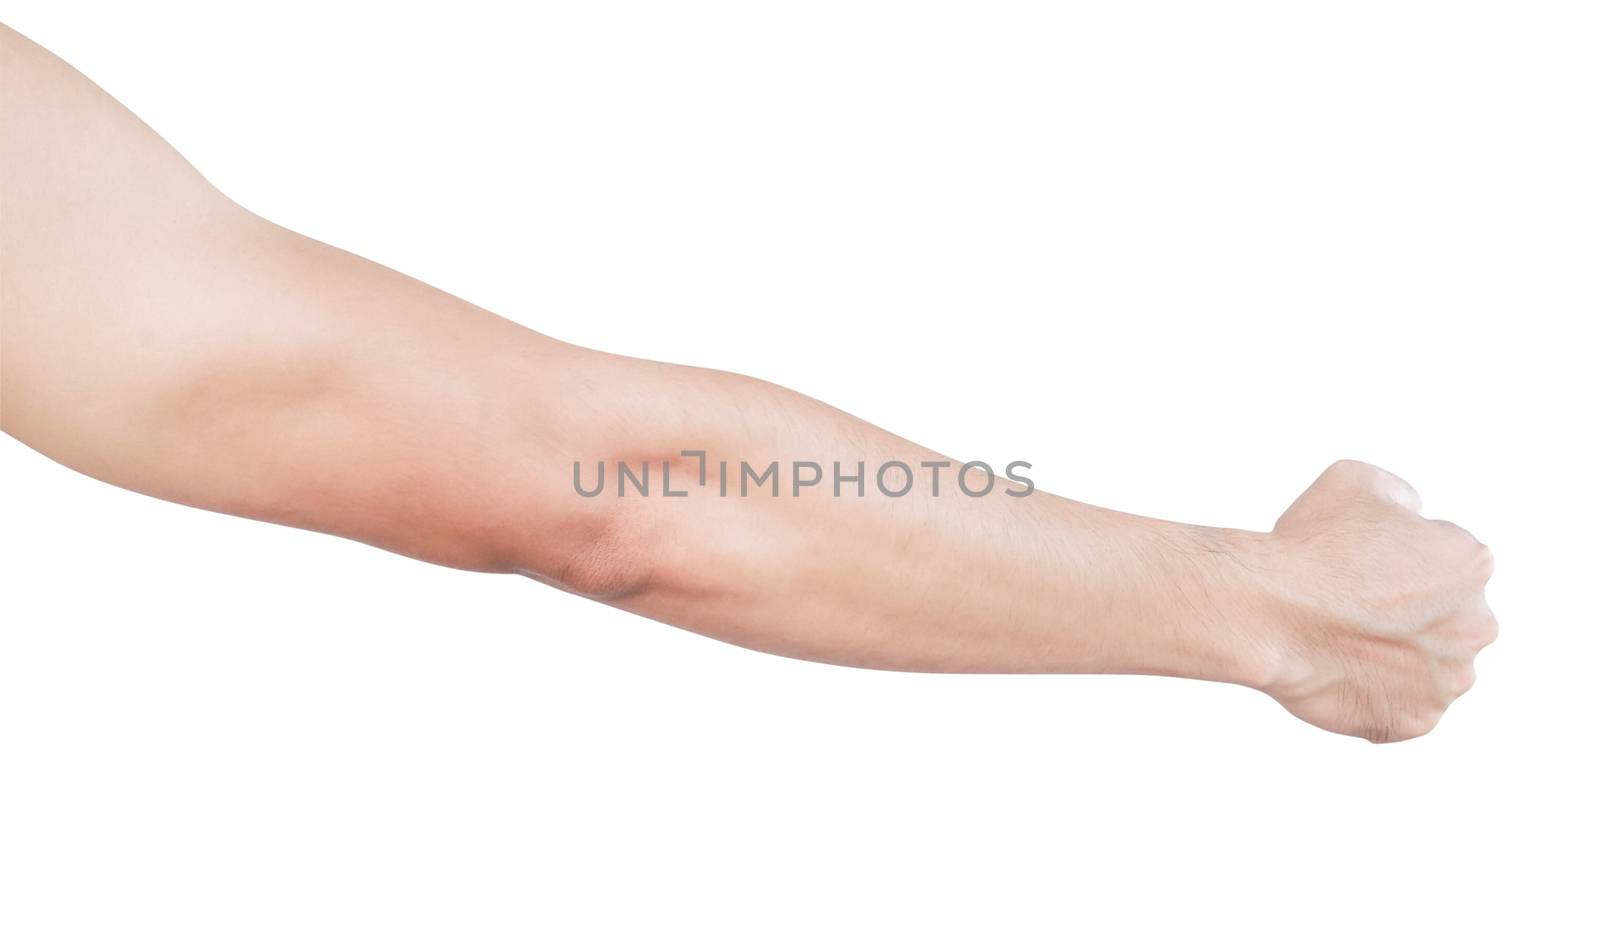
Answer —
(157, 336)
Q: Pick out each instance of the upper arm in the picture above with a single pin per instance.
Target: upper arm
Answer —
(155, 335)
(96, 214)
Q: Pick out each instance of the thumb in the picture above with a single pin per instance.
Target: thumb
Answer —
(1347, 481)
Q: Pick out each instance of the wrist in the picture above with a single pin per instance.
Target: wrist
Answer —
(1266, 607)
(1234, 596)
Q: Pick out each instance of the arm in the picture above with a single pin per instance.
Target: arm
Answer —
(159, 337)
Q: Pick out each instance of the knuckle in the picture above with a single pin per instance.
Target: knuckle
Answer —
(1483, 560)
(1455, 531)
(1488, 630)
(1426, 722)
(1478, 556)
(1476, 628)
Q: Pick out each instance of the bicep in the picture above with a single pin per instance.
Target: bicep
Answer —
(156, 336)
(256, 372)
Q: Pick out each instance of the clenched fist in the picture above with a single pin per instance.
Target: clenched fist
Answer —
(1387, 609)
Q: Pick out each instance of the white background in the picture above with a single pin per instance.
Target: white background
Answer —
(1179, 256)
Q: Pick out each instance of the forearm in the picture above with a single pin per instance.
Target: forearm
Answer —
(1015, 580)
(1046, 586)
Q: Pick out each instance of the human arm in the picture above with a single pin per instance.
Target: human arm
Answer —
(159, 337)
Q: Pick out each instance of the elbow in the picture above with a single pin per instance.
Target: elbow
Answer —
(606, 556)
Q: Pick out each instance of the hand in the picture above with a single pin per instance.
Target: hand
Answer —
(1387, 609)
